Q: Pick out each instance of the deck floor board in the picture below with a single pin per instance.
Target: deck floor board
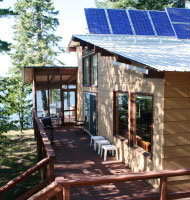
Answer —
(75, 157)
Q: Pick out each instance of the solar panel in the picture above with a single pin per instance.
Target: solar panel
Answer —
(141, 22)
(179, 14)
(182, 30)
(161, 23)
(97, 21)
(119, 22)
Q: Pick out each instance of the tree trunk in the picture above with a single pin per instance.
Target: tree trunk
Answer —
(44, 100)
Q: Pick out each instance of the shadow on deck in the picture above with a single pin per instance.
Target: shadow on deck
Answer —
(75, 157)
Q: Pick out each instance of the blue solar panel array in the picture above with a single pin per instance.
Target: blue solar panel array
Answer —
(180, 18)
(174, 22)
(182, 31)
(179, 14)
(161, 23)
(119, 22)
(141, 22)
(97, 21)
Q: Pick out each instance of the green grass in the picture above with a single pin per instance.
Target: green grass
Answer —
(16, 158)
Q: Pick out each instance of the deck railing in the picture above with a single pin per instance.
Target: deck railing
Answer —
(46, 157)
(61, 187)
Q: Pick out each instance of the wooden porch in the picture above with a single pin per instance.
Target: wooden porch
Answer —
(75, 158)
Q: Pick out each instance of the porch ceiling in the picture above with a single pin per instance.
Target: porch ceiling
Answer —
(50, 77)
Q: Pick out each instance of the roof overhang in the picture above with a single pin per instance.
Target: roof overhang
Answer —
(51, 76)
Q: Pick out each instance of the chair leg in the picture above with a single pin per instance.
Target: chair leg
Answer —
(91, 142)
(105, 154)
(94, 145)
(101, 152)
(99, 149)
(116, 154)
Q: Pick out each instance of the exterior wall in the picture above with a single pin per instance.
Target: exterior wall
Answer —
(176, 145)
(111, 79)
(79, 85)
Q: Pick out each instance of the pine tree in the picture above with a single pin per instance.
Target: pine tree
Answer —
(35, 41)
(140, 4)
(35, 25)
(4, 12)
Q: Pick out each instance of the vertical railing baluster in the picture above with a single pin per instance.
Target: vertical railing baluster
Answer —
(163, 188)
(66, 193)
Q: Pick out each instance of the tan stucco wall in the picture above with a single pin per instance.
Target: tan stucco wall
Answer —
(112, 78)
(176, 143)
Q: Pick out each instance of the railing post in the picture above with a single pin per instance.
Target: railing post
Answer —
(51, 169)
(163, 188)
(59, 195)
(66, 193)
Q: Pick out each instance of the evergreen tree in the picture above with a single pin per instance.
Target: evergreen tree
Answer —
(35, 41)
(140, 4)
(4, 12)
(34, 33)
(14, 99)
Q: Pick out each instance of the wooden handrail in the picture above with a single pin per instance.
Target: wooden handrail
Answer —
(66, 184)
(50, 152)
(47, 192)
(81, 181)
(48, 160)
(27, 173)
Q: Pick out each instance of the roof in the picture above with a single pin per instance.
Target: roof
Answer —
(161, 54)
(67, 73)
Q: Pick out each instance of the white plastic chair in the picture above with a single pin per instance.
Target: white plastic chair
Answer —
(109, 148)
(94, 138)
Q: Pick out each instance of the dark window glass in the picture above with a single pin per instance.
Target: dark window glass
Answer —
(143, 114)
(121, 114)
(90, 112)
(94, 70)
(86, 71)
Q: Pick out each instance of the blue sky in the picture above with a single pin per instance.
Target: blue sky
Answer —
(71, 19)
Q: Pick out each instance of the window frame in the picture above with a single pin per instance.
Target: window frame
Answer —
(116, 114)
(132, 123)
(90, 57)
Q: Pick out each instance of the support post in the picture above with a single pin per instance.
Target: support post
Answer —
(163, 188)
(66, 193)
(51, 169)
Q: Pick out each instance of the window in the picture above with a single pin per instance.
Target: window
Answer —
(143, 112)
(90, 112)
(86, 71)
(121, 114)
(94, 70)
(139, 119)
(90, 70)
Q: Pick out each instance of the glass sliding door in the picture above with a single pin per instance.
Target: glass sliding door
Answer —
(69, 106)
(90, 112)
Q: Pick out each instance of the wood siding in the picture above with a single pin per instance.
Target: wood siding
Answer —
(111, 78)
(176, 145)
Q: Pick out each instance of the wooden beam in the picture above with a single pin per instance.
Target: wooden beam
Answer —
(102, 51)
(154, 74)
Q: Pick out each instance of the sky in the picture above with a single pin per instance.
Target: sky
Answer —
(72, 21)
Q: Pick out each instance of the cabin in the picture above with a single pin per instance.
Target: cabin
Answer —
(134, 88)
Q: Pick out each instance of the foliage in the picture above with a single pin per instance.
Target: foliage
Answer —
(16, 158)
(140, 4)
(5, 12)
(35, 37)
(14, 99)
(35, 41)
